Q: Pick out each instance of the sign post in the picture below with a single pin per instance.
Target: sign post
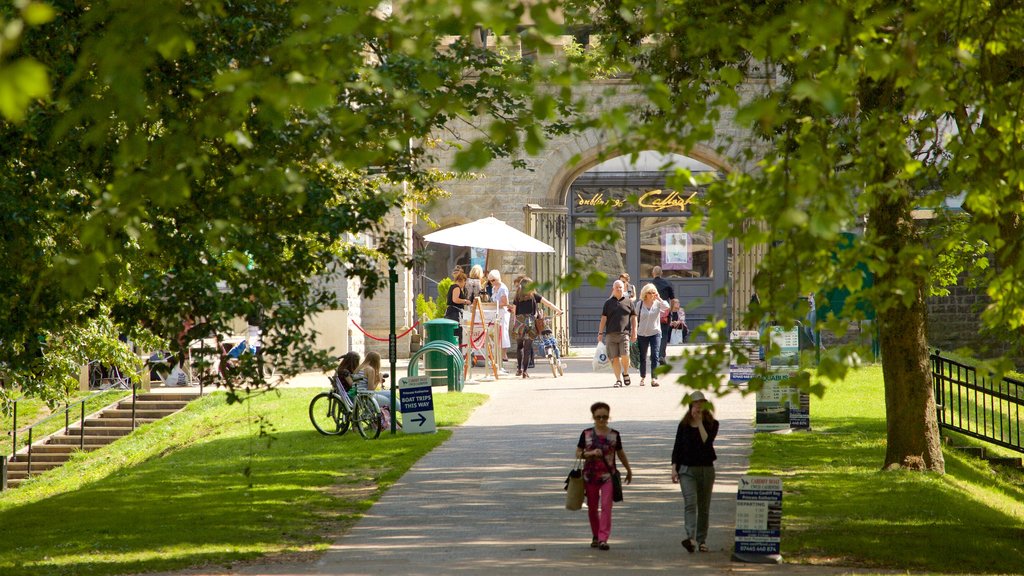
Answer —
(758, 520)
(392, 339)
(417, 405)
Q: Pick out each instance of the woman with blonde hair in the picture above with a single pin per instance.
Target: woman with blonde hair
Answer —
(475, 283)
(648, 330)
(499, 294)
(370, 370)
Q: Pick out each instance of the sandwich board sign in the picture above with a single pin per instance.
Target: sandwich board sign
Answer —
(417, 405)
(758, 520)
(749, 343)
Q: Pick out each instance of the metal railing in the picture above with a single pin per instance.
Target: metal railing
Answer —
(78, 405)
(978, 405)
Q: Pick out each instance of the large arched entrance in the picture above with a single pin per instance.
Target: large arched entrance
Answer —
(651, 221)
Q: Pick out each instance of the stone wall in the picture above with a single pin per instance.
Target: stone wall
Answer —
(954, 322)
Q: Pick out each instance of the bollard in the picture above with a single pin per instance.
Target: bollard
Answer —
(3, 473)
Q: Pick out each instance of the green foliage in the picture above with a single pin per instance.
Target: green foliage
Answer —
(23, 79)
(853, 116)
(194, 163)
(839, 509)
(212, 478)
(433, 308)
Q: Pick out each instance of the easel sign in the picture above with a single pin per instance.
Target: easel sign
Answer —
(478, 330)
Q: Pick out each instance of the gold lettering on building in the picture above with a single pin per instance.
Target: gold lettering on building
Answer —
(598, 199)
(656, 200)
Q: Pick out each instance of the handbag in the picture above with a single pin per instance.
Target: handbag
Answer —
(574, 487)
(616, 486)
(539, 322)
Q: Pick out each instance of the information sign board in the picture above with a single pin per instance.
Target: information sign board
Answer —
(748, 342)
(773, 402)
(758, 516)
(788, 342)
(800, 411)
(417, 405)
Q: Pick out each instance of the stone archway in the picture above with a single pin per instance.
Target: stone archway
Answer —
(535, 199)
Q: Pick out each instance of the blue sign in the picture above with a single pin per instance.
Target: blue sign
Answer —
(417, 405)
(758, 515)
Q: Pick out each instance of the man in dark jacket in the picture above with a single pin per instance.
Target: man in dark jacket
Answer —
(666, 293)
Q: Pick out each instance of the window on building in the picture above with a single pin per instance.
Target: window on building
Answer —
(611, 262)
(680, 253)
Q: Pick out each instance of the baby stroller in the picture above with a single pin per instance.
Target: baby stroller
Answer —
(551, 352)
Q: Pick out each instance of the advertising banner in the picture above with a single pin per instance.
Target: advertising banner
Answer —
(788, 341)
(677, 252)
(774, 401)
(758, 516)
(800, 412)
(747, 342)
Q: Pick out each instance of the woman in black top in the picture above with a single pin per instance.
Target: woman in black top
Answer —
(456, 301)
(693, 458)
(524, 307)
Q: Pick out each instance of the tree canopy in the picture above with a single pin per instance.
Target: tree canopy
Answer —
(171, 164)
(859, 114)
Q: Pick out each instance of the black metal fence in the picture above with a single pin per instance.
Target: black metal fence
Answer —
(978, 405)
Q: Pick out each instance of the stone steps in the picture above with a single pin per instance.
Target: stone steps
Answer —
(981, 453)
(100, 430)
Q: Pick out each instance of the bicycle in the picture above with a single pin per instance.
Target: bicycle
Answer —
(334, 411)
(553, 355)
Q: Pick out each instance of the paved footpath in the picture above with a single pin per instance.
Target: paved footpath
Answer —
(490, 499)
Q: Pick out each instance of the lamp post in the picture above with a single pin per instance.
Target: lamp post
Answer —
(393, 343)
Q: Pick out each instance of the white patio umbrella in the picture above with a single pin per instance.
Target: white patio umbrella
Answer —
(489, 233)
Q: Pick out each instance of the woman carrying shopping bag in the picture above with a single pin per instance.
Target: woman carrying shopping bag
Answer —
(598, 446)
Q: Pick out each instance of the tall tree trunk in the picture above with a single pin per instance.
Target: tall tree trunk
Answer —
(911, 422)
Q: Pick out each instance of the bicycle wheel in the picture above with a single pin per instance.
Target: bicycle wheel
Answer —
(369, 421)
(554, 364)
(328, 415)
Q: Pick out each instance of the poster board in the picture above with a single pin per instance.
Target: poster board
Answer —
(758, 518)
(748, 342)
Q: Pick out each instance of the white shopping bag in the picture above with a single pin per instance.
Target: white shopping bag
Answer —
(601, 358)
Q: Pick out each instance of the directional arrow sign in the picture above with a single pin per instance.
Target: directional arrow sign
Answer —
(417, 405)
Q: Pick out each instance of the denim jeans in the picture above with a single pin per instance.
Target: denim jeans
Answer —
(644, 342)
(696, 483)
(666, 333)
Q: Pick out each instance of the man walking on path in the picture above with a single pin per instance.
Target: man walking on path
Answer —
(666, 293)
(618, 319)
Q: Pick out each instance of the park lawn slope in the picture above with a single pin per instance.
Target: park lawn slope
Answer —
(840, 508)
(213, 484)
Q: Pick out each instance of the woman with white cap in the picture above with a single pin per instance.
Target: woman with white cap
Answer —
(693, 458)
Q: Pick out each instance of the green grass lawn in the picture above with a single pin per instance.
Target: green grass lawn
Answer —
(204, 487)
(839, 508)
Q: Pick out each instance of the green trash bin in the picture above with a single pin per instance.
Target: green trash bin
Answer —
(435, 364)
